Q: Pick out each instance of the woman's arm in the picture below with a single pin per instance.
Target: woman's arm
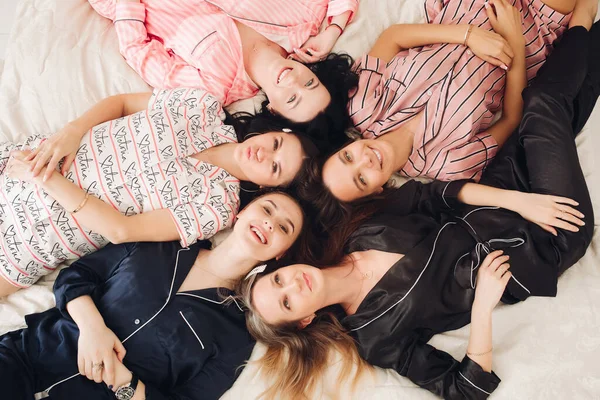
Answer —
(64, 143)
(95, 214)
(100, 217)
(547, 211)
(96, 344)
(487, 45)
(506, 20)
(317, 47)
(492, 278)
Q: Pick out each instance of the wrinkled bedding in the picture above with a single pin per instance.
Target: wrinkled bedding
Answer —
(62, 58)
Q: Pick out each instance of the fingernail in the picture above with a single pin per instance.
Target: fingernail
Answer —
(486, 5)
(110, 387)
(504, 67)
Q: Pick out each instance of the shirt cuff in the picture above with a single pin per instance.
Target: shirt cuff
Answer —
(338, 7)
(130, 11)
(474, 375)
(450, 192)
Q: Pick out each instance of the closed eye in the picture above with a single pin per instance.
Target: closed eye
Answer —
(284, 229)
(267, 210)
(276, 279)
(291, 99)
(275, 145)
(347, 156)
(274, 168)
(310, 82)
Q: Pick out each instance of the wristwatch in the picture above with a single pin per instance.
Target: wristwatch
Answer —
(127, 392)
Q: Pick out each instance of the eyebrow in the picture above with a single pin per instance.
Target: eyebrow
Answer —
(289, 221)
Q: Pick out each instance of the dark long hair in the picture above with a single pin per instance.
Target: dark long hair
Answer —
(335, 220)
(247, 125)
(327, 129)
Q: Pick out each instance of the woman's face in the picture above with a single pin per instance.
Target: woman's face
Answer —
(269, 226)
(292, 293)
(270, 159)
(359, 169)
(294, 91)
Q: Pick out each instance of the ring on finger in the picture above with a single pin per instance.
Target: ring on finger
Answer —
(99, 365)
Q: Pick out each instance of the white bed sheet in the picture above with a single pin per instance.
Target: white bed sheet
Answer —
(63, 57)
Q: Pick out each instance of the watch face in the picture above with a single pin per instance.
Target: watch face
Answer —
(125, 393)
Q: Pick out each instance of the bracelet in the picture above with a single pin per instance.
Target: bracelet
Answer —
(337, 26)
(479, 354)
(80, 206)
(467, 34)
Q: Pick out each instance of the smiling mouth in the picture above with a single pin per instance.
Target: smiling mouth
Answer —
(258, 234)
(307, 281)
(284, 72)
(378, 155)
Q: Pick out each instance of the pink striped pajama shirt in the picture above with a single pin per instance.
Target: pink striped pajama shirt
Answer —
(136, 164)
(457, 92)
(195, 43)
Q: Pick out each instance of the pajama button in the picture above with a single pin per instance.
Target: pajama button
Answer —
(469, 52)
(429, 93)
(137, 321)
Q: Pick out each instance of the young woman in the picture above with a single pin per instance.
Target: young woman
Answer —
(148, 320)
(170, 169)
(233, 48)
(412, 269)
(426, 109)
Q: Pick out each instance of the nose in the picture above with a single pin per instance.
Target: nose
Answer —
(295, 285)
(366, 158)
(268, 225)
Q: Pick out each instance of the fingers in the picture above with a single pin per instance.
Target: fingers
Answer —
(303, 55)
(493, 61)
(505, 278)
(490, 13)
(52, 164)
(569, 217)
(548, 228)
(97, 371)
(490, 258)
(507, 49)
(562, 224)
(40, 162)
(67, 162)
(89, 370)
(109, 370)
(564, 200)
(497, 262)
(80, 364)
(499, 273)
(120, 350)
(34, 153)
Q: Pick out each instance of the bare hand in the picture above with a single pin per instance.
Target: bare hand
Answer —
(492, 278)
(550, 212)
(506, 20)
(63, 144)
(122, 375)
(98, 347)
(490, 47)
(19, 168)
(317, 47)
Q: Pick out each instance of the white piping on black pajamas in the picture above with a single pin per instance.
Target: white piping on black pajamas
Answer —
(188, 324)
(520, 242)
(213, 301)
(46, 392)
(474, 385)
(414, 284)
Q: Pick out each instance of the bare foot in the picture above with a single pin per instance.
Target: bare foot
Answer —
(584, 14)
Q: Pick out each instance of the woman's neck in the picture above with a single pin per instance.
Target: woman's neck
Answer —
(343, 283)
(402, 140)
(220, 267)
(223, 156)
(258, 51)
